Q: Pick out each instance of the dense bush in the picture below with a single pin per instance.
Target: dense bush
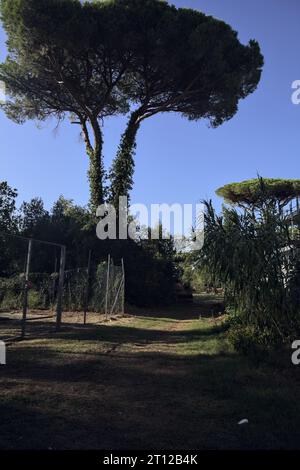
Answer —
(40, 293)
(149, 265)
(11, 292)
(252, 254)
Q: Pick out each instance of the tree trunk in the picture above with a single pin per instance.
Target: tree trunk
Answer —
(121, 174)
(95, 175)
(96, 168)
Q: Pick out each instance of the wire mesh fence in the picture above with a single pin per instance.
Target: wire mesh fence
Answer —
(31, 275)
(99, 289)
(35, 288)
(115, 289)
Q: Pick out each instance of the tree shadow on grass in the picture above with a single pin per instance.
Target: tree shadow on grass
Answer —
(205, 308)
(106, 332)
(130, 334)
(94, 388)
(29, 429)
(10, 327)
(149, 400)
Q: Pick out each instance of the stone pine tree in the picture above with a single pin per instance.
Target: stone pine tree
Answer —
(91, 60)
(187, 63)
(66, 59)
(251, 194)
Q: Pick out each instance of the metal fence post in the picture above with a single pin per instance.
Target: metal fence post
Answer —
(86, 300)
(123, 293)
(26, 287)
(60, 287)
(107, 287)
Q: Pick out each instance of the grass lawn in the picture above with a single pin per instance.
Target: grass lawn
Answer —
(161, 379)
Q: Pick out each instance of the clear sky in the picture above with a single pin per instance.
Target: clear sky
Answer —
(180, 161)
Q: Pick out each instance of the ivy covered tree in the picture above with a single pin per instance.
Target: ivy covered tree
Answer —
(97, 59)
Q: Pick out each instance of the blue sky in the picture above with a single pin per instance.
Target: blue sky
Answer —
(180, 161)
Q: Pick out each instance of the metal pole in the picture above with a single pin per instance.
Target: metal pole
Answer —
(86, 300)
(54, 282)
(298, 214)
(25, 301)
(116, 297)
(60, 287)
(123, 295)
(107, 287)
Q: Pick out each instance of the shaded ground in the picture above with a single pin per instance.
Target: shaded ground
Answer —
(158, 380)
(41, 322)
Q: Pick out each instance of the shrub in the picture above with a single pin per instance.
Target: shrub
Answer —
(252, 255)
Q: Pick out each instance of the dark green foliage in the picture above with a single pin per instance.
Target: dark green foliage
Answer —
(96, 59)
(149, 265)
(65, 59)
(249, 340)
(185, 62)
(41, 295)
(8, 220)
(252, 193)
(150, 277)
(257, 262)
(33, 217)
(75, 287)
(8, 223)
(121, 173)
(188, 274)
(11, 292)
